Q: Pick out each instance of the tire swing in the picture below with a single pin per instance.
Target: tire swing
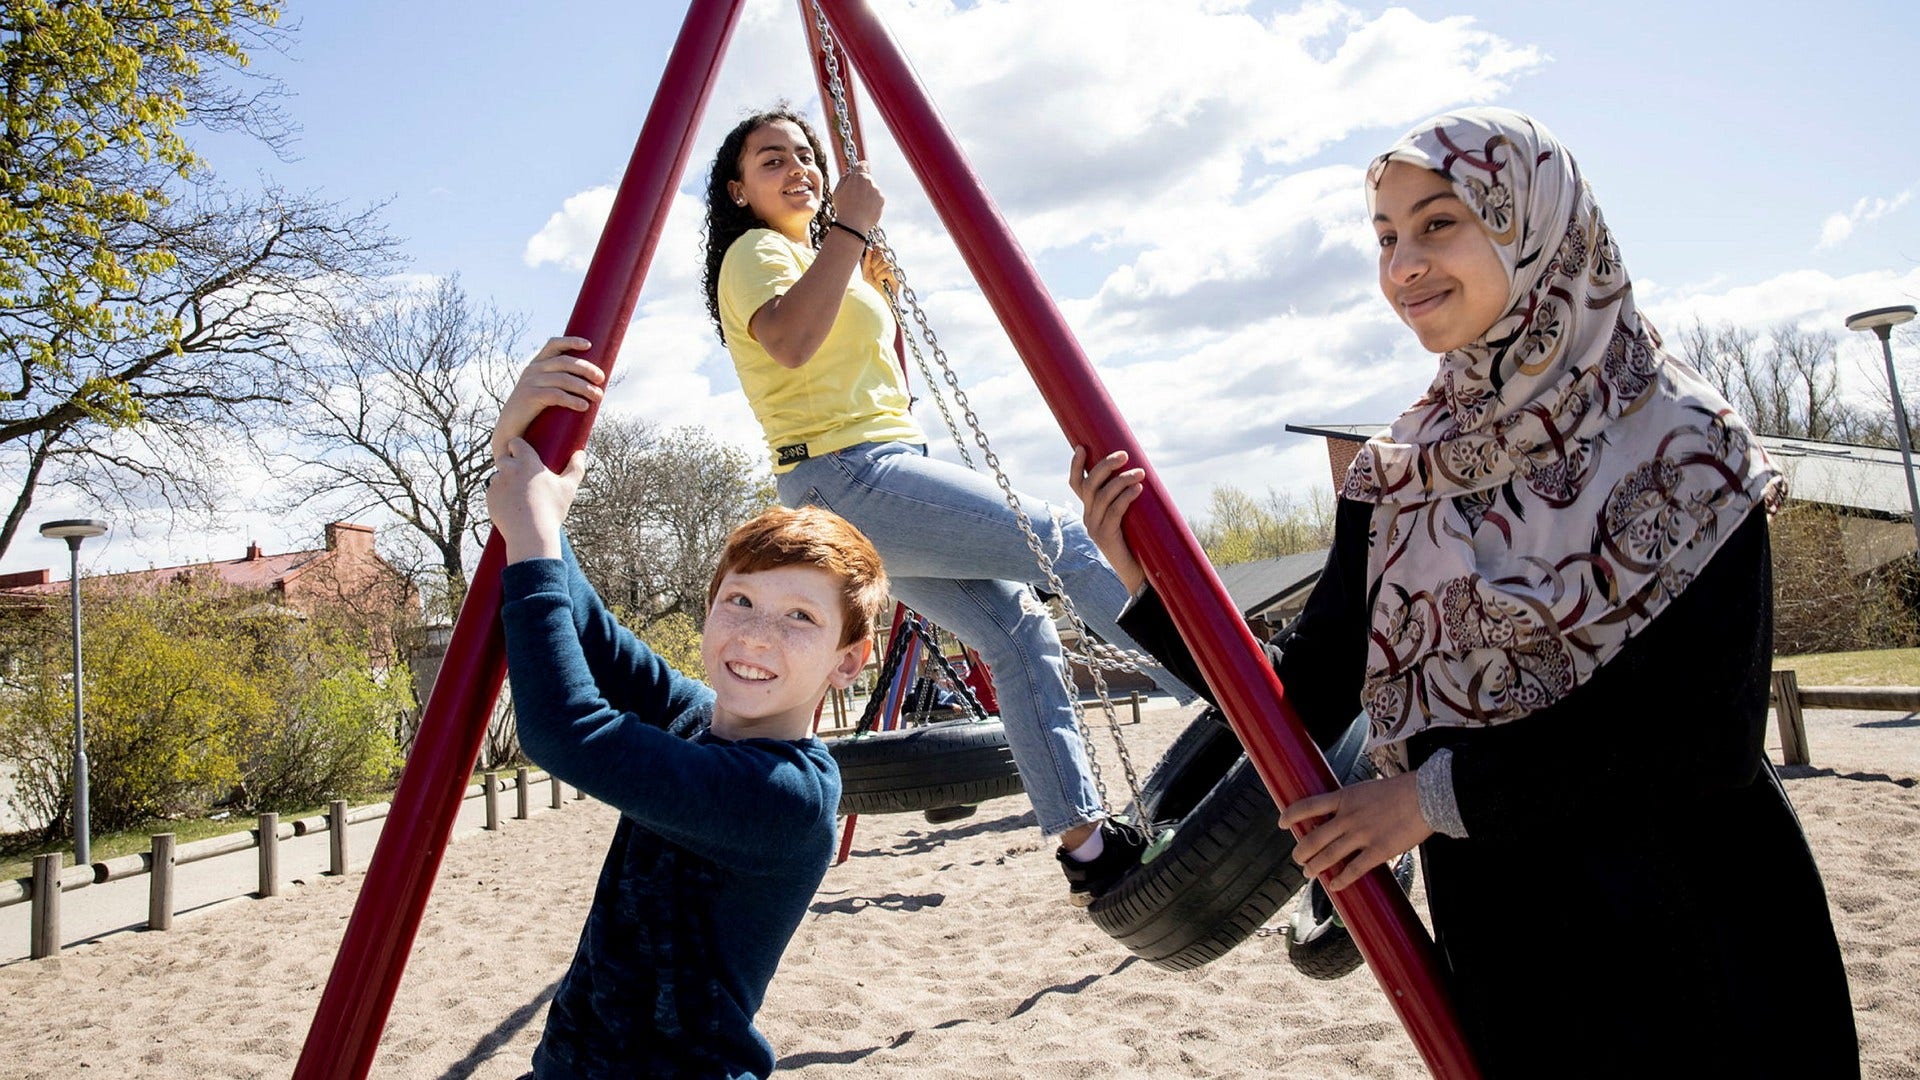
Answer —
(1220, 865)
(1217, 865)
(1318, 945)
(941, 767)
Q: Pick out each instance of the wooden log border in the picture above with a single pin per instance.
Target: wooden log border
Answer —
(51, 877)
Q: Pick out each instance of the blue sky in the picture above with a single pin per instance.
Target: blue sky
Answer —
(1185, 173)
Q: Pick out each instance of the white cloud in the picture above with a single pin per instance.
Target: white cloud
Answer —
(1158, 159)
(569, 236)
(1807, 300)
(672, 371)
(1839, 226)
(1145, 141)
(1103, 113)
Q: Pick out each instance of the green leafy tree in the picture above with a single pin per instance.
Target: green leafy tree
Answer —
(170, 711)
(143, 308)
(677, 640)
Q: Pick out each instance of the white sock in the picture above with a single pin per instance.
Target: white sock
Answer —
(1090, 848)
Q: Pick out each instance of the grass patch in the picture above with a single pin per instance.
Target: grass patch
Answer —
(1871, 667)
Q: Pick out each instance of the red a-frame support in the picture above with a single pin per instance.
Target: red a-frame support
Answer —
(366, 973)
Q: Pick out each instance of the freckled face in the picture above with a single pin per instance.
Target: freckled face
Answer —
(779, 179)
(1438, 266)
(772, 647)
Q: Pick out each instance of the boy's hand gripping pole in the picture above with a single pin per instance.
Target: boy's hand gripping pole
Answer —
(366, 972)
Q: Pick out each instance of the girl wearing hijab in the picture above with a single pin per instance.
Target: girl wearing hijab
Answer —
(1550, 589)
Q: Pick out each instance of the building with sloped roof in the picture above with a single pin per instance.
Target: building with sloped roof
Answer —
(1864, 484)
(1270, 592)
(346, 574)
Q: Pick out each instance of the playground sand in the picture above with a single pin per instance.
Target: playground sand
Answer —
(935, 952)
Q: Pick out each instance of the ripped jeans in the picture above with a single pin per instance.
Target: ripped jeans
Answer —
(955, 553)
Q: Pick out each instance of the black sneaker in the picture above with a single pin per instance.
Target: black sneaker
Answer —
(1089, 881)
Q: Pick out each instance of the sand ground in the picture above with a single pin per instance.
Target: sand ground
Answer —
(935, 951)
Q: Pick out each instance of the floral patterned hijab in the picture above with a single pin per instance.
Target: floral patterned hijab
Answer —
(1561, 480)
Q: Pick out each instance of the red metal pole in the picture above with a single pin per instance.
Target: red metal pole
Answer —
(1382, 922)
(981, 682)
(366, 972)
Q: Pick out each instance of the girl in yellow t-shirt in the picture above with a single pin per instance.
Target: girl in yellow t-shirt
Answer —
(812, 340)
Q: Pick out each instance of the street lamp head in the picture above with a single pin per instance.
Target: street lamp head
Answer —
(1880, 320)
(73, 529)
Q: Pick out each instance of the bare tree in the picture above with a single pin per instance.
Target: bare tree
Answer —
(148, 417)
(654, 512)
(395, 411)
(1787, 385)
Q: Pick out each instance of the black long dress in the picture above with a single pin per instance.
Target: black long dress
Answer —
(1635, 894)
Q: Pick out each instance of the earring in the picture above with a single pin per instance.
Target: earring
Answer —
(739, 202)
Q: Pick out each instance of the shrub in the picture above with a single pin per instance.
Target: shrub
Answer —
(169, 709)
(1821, 603)
(675, 638)
(334, 739)
(195, 695)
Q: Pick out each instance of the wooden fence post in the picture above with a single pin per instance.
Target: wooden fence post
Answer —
(269, 855)
(160, 883)
(1136, 706)
(491, 783)
(45, 918)
(521, 794)
(554, 783)
(1786, 711)
(337, 838)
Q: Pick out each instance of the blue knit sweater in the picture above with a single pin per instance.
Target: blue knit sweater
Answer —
(720, 847)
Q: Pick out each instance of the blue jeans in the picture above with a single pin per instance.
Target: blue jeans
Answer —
(955, 553)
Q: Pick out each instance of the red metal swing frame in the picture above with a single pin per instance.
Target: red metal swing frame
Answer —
(366, 974)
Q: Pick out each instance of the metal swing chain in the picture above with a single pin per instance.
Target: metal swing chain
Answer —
(1087, 655)
(960, 687)
(878, 239)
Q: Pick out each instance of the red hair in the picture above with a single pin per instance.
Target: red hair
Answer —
(811, 536)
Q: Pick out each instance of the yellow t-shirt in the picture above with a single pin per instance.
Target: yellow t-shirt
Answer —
(851, 391)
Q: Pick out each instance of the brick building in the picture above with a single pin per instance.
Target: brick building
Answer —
(346, 575)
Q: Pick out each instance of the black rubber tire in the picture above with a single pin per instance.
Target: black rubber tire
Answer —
(947, 814)
(1227, 869)
(931, 767)
(1318, 946)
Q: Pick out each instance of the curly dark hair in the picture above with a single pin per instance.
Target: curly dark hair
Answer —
(728, 221)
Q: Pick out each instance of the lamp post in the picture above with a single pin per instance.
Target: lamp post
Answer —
(74, 530)
(1882, 321)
